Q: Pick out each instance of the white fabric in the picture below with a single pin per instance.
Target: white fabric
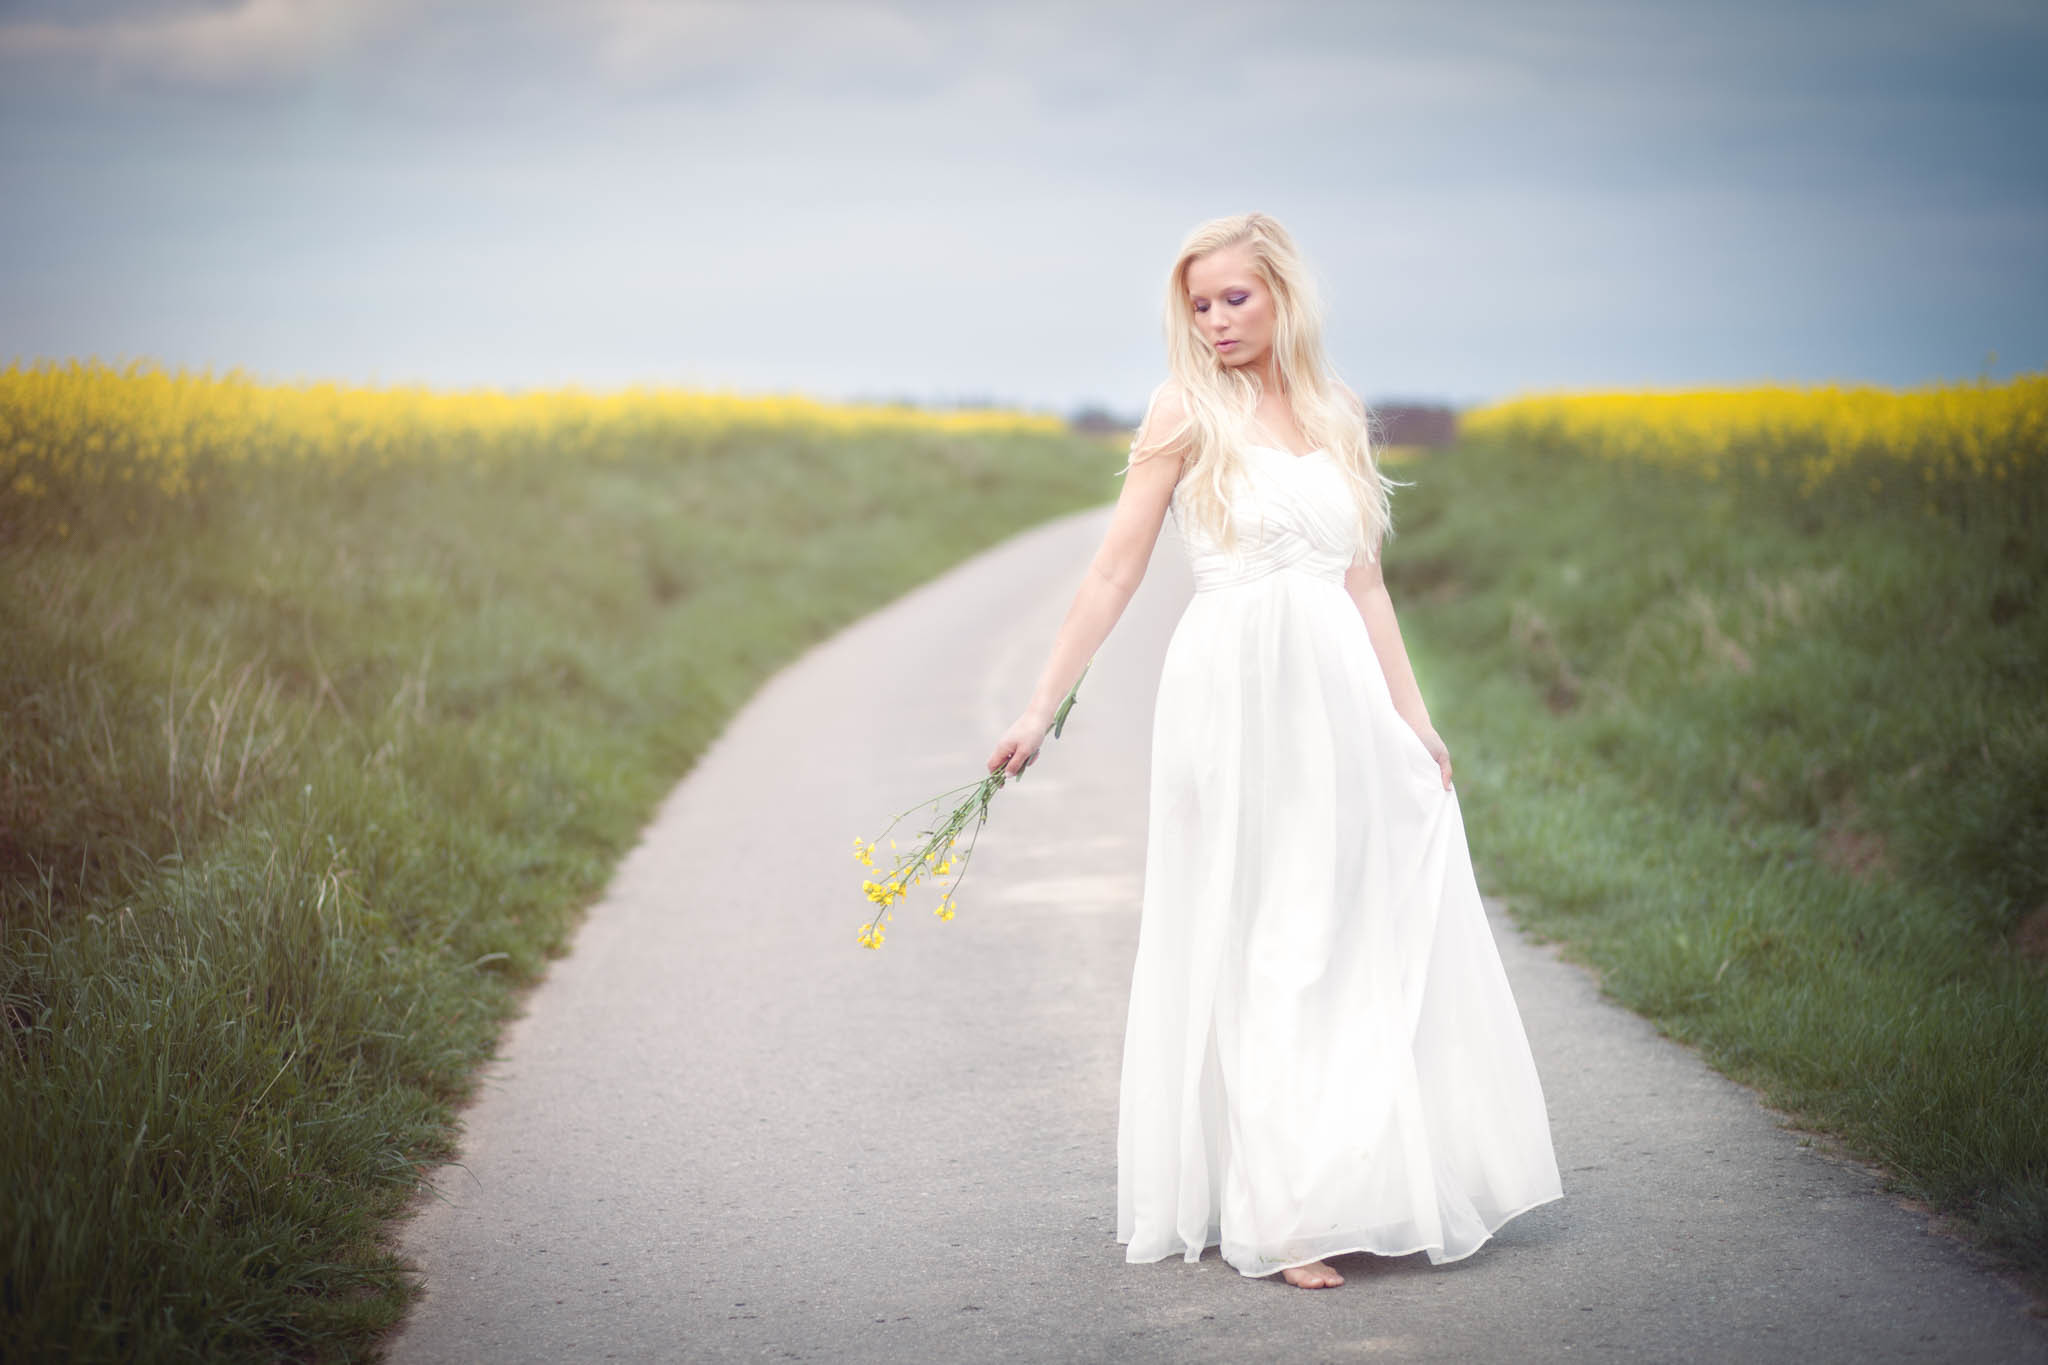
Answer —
(1323, 1054)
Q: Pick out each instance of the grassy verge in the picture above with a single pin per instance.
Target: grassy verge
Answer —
(302, 779)
(1776, 773)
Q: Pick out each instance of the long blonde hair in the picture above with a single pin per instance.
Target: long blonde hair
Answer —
(1219, 401)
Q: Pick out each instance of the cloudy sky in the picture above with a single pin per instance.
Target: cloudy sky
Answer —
(950, 201)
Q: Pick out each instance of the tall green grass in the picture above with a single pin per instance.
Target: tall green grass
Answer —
(1775, 767)
(302, 780)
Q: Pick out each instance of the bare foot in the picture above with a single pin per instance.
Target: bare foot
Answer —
(1314, 1275)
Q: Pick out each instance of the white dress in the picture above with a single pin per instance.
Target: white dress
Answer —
(1322, 1054)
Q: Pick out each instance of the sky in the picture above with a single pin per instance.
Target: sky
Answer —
(949, 201)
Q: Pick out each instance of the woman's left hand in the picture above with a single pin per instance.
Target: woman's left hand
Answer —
(1438, 751)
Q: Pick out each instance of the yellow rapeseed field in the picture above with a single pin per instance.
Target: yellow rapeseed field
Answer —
(76, 431)
(1943, 447)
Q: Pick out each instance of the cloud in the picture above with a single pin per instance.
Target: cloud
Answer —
(648, 42)
(627, 46)
(250, 44)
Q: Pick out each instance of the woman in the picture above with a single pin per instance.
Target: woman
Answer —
(1322, 1053)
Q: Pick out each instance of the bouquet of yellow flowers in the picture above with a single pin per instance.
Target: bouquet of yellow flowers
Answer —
(934, 853)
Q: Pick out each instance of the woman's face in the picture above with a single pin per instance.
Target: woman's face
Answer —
(1233, 309)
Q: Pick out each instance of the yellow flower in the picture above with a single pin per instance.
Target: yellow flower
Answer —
(81, 428)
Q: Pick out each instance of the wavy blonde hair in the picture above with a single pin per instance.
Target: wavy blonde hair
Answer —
(1218, 401)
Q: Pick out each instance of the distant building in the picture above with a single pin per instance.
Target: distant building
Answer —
(1415, 424)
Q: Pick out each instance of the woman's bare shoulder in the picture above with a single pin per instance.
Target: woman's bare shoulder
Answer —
(1166, 418)
(1168, 391)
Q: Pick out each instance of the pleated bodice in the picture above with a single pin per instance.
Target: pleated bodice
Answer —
(1292, 512)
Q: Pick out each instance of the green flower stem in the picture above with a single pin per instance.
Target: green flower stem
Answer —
(983, 789)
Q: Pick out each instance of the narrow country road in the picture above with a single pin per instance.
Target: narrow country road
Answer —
(724, 1131)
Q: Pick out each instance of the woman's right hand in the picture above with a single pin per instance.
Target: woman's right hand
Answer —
(1018, 748)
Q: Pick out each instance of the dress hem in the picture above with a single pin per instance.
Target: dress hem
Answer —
(1505, 1219)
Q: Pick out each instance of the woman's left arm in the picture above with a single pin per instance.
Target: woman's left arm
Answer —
(1368, 589)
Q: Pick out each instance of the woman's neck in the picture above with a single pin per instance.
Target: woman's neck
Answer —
(1268, 371)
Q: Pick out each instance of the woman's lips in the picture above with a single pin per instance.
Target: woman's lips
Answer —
(1221, 345)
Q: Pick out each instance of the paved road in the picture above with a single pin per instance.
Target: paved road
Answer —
(723, 1131)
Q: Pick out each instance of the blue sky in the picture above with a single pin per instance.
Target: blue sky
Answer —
(959, 201)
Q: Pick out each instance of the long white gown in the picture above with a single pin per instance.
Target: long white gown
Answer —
(1323, 1054)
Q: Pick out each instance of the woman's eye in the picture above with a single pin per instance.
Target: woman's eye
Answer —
(1233, 302)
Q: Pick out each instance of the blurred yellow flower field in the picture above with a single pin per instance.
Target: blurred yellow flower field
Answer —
(80, 429)
(1945, 448)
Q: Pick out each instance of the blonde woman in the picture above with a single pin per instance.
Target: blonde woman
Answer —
(1322, 1054)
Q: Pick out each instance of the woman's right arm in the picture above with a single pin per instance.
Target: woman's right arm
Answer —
(1113, 576)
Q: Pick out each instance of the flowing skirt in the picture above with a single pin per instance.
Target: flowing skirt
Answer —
(1323, 1054)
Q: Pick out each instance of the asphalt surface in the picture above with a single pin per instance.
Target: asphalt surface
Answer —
(724, 1131)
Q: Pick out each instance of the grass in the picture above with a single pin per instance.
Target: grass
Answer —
(303, 779)
(1773, 767)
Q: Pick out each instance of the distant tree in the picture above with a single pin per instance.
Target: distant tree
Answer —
(1095, 419)
(1398, 423)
